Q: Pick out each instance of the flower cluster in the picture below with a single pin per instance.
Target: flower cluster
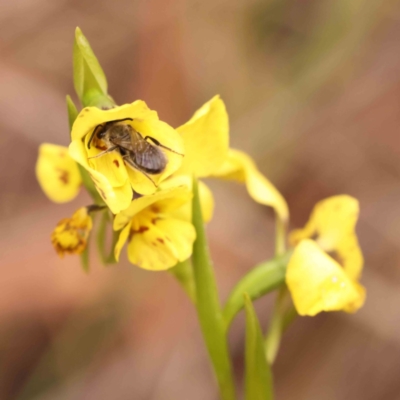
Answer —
(152, 213)
(140, 170)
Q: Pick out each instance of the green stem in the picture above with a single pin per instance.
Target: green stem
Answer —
(208, 305)
(274, 335)
(183, 272)
(280, 243)
(275, 330)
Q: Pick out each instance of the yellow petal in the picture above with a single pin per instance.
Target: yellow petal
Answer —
(71, 234)
(159, 243)
(162, 201)
(90, 117)
(117, 198)
(318, 283)
(332, 224)
(123, 237)
(206, 198)
(112, 166)
(240, 167)
(57, 173)
(206, 139)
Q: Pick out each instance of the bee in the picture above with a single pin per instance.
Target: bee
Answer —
(141, 153)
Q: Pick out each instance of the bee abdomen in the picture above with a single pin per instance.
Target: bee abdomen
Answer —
(153, 161)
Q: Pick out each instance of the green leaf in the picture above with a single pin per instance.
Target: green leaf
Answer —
(89, 79)
(261, 280)
(258, 372)
(208, 306)
(72, 112)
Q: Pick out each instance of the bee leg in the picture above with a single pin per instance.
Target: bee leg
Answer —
(104, 152)
(94, 133)
(133, 165)
(157, 143)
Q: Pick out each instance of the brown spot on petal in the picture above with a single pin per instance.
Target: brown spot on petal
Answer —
(155, 209)
(160, 240)
(116, 163)
(64, 176)
(154, 220)
(141, 229)
(86, 110)
(314, 236)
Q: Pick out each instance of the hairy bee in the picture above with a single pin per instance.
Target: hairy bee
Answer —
(137, 151)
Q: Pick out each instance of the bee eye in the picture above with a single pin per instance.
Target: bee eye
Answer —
(101, 134)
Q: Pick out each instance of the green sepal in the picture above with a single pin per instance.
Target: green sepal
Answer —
(258, 377)
(90, 81)
(208, 305)
(85, 258)
(261, 280)
(107, 257)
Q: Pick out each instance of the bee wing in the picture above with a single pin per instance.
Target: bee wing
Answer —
(149, 157)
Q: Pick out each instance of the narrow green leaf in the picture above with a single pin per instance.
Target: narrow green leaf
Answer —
(183, 272)
(208, 306)
(72, 112)
(89, 79)
(258, 373)
(261, 280)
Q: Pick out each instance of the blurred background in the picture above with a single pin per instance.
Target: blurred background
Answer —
(312, 88)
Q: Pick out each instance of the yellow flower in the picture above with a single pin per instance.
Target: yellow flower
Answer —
(71, 234)
(57, 173)
(112, 176)
(207, 154)
(158, 237)
(323, 272)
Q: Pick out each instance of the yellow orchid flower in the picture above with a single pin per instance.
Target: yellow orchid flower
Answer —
(57, 173)
(111, 174)
(323, 272)
(207, 154)
(71, 234)
(158, 237)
